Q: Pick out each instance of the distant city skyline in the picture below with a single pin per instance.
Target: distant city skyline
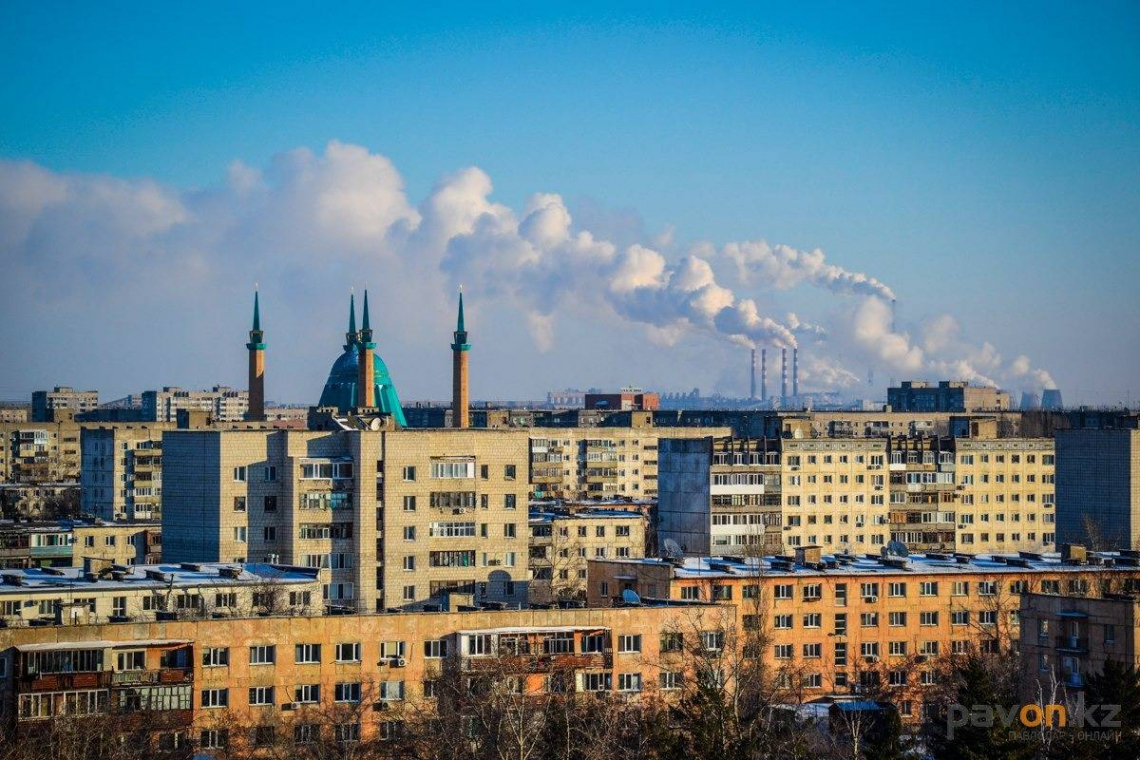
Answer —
(624, 199)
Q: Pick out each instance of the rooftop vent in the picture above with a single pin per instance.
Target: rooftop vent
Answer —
(229, 572)
(192, 567)
(1073, 554)
(158, 575)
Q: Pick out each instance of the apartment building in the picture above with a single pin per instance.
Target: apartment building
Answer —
(758, 495)
(1098, 486)
(101, 592)
(13, 414)
(121, 471)
(221, 402)
(602, 462)
(392, 518)
(29, 544)
(134, 542)
(1065, 639)
(947, 396)
(45, 404)
(1006, 494)
(40, 452)
(840, 620)
(290, 674)
(561, 544)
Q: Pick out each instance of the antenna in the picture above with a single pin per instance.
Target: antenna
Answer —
(629, 596)
(897, 548)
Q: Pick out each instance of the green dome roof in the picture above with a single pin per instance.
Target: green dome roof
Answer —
(341, 391)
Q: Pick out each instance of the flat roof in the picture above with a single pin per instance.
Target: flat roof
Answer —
(39, 579)
(628, 514)
(863, 565)
(532, 629)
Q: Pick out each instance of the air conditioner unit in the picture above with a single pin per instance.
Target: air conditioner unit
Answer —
(399, 662)
(871, 658)
(870, 599)
(921, 658)
(286, 706)
(379, 706)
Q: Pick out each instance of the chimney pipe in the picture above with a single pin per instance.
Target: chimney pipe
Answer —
(796, 372)
(763, 374)
(783, 375)
(752, 376)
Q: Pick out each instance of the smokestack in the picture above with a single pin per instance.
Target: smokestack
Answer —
(796, 372)
(783, 375)
(763, 374)
(752, 376)
(894, 315)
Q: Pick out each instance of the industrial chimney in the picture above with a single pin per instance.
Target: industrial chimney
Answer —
(783, 376)
(796, 372)
(752, 376)
(763, 374)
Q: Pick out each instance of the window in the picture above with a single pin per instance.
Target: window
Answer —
(782, 622)
(307, 654)
(896, 619)
(347, 692)
(409, 473)
(264, 654)
(869, 619)
(897, 649)
(215, 697)
(346, 732)
(307, 693)
(672, 642)
(409, 503)
(215, 657)
(509, 472)
(448, 469)
(813, 620)
(306, 733)
(813, 651)
(629, 643)
(410, 562)
(928, 618)
(783, 591)
(960, 617)
(712, 641)
(670, 680)
(391, 691)
(270, 473)
(629, 682)
(435, 649)
(240, 534)
(928, 588)
(348, 651)
(596, 682)
(896, 589)
(239, 503)
(214, 738)
(240, 474)
(260, 695)
(132, 660)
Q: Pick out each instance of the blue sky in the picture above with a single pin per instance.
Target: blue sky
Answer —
(981, 159)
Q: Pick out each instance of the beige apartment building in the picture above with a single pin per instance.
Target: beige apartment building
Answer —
(46, 404)
(391, 518)
(117, 542)
(763, 496)
(602, 462)
(562, 543)
(222, 403)
(40, 452)
(103, 593)
(121, 471)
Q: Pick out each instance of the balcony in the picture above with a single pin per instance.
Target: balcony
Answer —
(65, 681)
(1075, 644)
(541, 662)
(163, 676)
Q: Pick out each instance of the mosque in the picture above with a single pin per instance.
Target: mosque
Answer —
(359, 381)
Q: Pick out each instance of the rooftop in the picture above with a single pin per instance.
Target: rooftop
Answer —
(585, 514)
(161, 576)
(848, 564)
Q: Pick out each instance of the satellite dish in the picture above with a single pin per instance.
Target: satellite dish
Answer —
(375, 424)
(672, 550)
(629, 596)
(897, 548)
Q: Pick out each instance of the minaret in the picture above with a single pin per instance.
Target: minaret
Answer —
(256, 346)
(460, 413)
(366, 368)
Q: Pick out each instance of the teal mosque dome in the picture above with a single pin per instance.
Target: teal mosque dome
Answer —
(341, 388)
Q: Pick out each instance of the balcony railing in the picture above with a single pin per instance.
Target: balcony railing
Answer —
(1072, 644)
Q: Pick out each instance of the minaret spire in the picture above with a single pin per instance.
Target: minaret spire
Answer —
(256, 348)
(460, 406)
(366, 368)
(351, 337)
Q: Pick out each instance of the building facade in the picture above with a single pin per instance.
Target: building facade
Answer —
(121, 471)
(45, 404)
(221, 403)
(1098, 486)
(947, 396)
(562, 543)
(392, 518)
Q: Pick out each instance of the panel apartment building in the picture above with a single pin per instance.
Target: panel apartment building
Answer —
(562, 543)
(767, 495)
(602, 462)
(121, 471)
(392, 518)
